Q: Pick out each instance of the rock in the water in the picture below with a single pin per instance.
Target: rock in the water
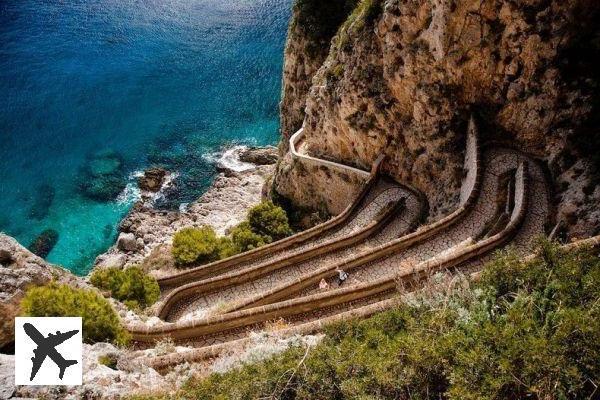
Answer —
(43, 200)
(44, 243)
(259, 155)
(152, 180)
(127, 242)
(19, 270)
(103, 177)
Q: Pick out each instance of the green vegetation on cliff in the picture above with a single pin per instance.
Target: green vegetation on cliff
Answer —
(100, 322)
(265, 223)
(130, 285)
(527, 329)
(195, 245)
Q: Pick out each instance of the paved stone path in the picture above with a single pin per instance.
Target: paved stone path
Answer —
(384, 192)
(496, 162)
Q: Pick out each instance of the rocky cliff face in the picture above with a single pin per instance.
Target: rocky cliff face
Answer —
(403, 77)
(19, 270)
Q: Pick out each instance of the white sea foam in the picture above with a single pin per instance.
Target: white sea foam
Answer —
(183, 207)
(169, 181)
(229, 159)
(130, 194)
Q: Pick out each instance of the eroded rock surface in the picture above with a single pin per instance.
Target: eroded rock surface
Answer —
(259, 155)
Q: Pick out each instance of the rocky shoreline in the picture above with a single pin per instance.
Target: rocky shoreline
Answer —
(145, 234)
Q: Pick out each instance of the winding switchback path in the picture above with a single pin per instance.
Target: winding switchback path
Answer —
(505, 200)
(336, 227)
(378, 221)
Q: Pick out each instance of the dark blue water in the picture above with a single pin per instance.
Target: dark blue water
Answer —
(105, 88)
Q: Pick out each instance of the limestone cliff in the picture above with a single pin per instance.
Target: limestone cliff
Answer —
(403, 77)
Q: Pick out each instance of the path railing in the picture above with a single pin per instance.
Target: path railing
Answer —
(298, 136)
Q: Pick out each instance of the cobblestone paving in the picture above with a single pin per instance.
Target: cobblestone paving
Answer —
(384, 192)
(355, 222)
(496, 163)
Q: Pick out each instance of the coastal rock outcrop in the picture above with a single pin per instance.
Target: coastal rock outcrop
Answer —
(146, 232)
(403, 77)
(19, 270)
(127, 242)
(259, 155)
(152, 180)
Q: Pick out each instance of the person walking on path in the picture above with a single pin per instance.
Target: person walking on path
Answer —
(323, 285)
(342, 276)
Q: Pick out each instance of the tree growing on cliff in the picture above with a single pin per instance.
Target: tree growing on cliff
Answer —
(100, 321)
(131, 285)
(195, 245)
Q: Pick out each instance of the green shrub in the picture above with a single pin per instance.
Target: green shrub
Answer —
(100, 322)
(264, 224)
(195, 245)
(131, 285)
(109, 360)
(269, 221)
(226, 247)
(527, 330)
(245, 239)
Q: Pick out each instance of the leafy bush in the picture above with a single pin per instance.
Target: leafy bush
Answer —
(226, 247)
(264, 224)
(245, 239)
(195, 245)
(269, 221)
(526, 330)
(131, 285)
(100, 322)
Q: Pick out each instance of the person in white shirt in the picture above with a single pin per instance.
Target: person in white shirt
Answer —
(342, 276)
(323, 285)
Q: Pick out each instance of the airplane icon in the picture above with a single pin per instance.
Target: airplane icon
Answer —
(46, 347)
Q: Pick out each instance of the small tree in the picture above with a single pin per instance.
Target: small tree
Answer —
(100, 322)
(245, 239)
(132, 285)
(269, 221)
(195, 245)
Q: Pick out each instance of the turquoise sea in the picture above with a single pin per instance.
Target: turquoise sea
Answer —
(92, 92)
